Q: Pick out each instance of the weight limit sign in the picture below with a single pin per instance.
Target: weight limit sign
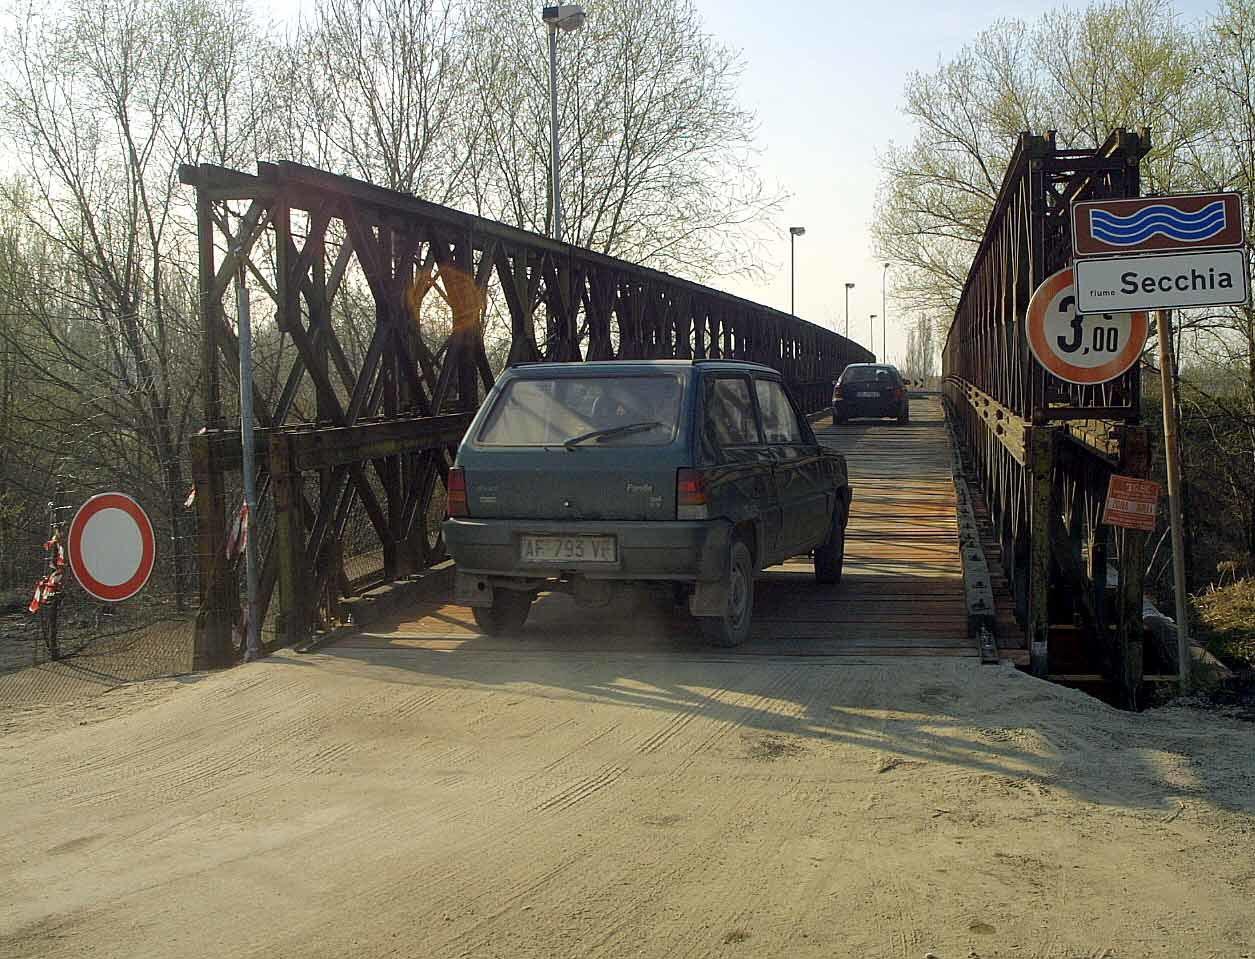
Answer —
(1085, 349)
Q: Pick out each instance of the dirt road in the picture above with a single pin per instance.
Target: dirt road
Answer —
(426, 803)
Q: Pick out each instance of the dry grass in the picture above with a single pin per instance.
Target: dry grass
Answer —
(1227, 620)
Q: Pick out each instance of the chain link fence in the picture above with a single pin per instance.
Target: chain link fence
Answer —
(49, 620)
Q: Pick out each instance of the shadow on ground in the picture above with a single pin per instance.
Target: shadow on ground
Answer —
(995, 722)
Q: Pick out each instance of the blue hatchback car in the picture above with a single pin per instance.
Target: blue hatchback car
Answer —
(586, 476)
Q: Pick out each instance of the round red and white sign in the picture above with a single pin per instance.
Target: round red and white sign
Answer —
(111, 547)
(1088, 349)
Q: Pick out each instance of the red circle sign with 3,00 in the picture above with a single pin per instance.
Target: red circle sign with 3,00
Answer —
(111, 547)
(1088, 349)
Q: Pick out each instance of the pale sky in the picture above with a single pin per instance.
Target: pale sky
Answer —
(825, 80)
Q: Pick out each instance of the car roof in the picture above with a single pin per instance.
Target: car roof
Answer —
(634, 366)
(872, 366)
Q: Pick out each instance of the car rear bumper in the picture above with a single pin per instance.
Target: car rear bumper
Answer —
(855, 408)
(678, 551)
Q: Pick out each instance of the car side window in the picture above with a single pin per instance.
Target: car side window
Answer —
(729, 417)
(780, 423)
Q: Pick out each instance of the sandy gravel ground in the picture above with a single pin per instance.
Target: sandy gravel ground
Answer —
(422, 803)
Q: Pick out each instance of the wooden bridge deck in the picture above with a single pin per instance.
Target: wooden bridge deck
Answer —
(901, 594)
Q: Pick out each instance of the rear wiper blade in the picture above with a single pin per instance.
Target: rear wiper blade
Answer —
(600, 435)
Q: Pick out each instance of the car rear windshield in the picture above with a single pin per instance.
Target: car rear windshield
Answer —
(587, 410)
(868, 374)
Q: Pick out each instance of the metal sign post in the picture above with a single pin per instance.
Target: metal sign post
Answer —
(244, 320)
(1167, 363)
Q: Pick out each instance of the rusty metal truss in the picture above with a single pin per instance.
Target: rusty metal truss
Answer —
(371, 425)
(1043, 449)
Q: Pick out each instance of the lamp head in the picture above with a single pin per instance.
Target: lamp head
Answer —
(797, 230)
(564, 16)
(849, 286)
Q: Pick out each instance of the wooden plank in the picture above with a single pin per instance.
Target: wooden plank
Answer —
(902, 593)
(341, 445)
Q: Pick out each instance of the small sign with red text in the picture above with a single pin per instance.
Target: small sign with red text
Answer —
(1131, 503)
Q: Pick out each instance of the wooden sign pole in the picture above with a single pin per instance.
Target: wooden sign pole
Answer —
(1167, 364)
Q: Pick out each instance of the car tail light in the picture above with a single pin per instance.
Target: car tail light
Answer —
(456, 504)
(692, 498)
(898, 392)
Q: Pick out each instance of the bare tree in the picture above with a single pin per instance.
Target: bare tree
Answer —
(657, 153)
(379, 91)
(1127, 63)
(1226, 161)
(920, 362)
(104, 101)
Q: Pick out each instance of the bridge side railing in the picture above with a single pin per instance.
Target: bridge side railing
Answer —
(1043, 449)
(374, 323)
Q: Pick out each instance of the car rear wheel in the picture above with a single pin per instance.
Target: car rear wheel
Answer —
(507, 613)
(733, 627)
(830, 554)
(904, 417)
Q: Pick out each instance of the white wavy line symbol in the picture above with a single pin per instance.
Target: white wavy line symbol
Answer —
(1158, 219)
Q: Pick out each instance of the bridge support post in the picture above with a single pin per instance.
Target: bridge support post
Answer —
(1040, 453)
(293, 617)
(1130, 629)
(219, 594)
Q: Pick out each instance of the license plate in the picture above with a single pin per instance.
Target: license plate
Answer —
(869, 396)
(568, 549)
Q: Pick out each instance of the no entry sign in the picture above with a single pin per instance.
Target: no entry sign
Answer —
(111, 547)
(1085, 349)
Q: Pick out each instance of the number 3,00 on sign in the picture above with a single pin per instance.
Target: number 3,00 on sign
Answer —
(1085, 349)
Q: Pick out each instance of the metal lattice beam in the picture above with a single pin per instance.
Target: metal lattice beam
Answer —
(1045, 449)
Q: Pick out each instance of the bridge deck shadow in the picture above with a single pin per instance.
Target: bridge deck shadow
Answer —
(901, 593)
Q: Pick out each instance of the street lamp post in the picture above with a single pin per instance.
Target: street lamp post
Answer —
(794, 233)
(884, 314)
(871, 335)
(566, 17)
(848, 288)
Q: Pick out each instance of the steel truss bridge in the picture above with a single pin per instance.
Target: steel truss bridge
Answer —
(1042, 450)
(374, 429)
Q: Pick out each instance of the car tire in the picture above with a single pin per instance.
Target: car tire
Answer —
(830, 554)
(733, 627)
(904, 418)
(507, 614)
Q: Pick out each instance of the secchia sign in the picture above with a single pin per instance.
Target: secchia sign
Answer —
(1216, 278)
(1160, 253)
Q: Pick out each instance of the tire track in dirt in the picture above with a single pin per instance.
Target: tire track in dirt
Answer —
(748, 709)
(677, 723)
(582, 789)
(495, 845)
